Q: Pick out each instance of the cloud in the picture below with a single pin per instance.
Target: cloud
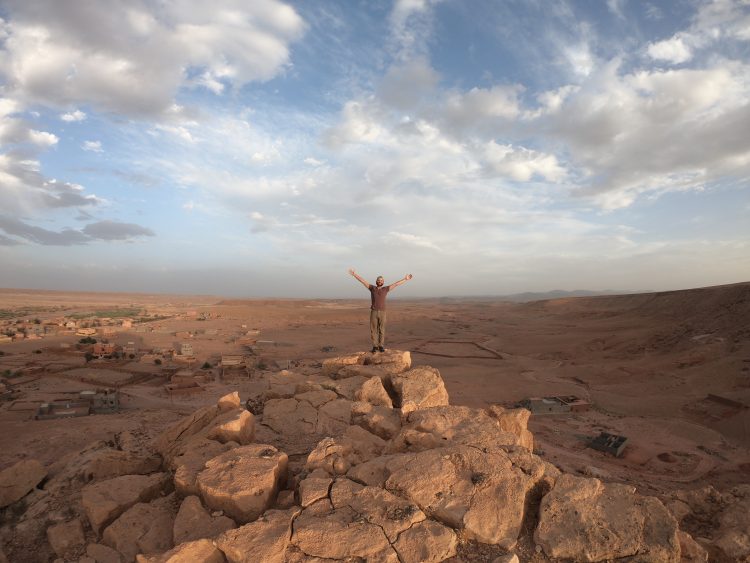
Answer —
(38, 235)
(132, 59)
(76, 115)
(112, 230)
(101, 230)
(92, 146)
(672, 50)
(405, 85)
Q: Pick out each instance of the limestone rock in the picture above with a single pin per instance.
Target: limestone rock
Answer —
(169, 442)
(395, 361)
(109, 463)
(334, 417)
(188, 464)
(433, 427)
(199, 551)
(17, 480)
(103, 554)
(362, 445)
(193, 522)
(229, 402)
(373, 392)
(381, 421)
(333, 365)
(237, 425)
(340, 534)
(586, 520)
(243, 482)
(346, 388)
(66, 536)
(331, 456)
(317, 398)
(482, 493)
(264, 540)
(290, 416)
(143, 528)
(314, 487)
(421, 386)
(104, 501)
(426, 542)
(516, 422)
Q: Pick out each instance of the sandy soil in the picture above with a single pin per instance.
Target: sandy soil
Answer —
(648, 364)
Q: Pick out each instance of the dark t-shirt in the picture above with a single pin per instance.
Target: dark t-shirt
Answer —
(378, 295)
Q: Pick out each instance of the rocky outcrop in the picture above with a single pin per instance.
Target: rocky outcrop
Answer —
(383, 469)
(18, 480)
(587, 520)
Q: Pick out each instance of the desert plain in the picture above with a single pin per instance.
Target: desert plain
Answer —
(670, 371)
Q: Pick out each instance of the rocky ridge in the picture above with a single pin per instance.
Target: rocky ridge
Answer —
(364, 461)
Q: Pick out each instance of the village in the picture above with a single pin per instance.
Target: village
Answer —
(112, 349)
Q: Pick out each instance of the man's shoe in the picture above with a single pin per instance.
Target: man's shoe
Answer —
(374, 349)
(381, 348)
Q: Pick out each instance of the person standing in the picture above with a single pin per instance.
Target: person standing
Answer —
(378, 293)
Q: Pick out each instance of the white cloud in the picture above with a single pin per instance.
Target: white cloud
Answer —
(131, 59)
(71, 116)
(672, 50)
(92, 146)
(310, 161)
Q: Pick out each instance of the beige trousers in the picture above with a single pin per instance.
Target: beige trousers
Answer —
(377, 327)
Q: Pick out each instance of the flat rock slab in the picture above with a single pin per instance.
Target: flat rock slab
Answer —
(104, 501)
(420, 388)
(244, 481)
(109, 463)
(191, 462)
(18, 480)
(66, 537)
(236, 425)
(264, 540)
(586, 520)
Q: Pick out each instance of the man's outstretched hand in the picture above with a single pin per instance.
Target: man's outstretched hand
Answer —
(408, 277)
(352, 272)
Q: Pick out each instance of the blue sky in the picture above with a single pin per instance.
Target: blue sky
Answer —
(263, 148)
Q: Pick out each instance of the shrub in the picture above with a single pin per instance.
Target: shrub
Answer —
(206, 365)
(131, 356)
(157, 361)
(89, 356)
(37, 351)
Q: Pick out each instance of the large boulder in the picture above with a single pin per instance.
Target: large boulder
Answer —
(516, 422)
(199, 551)
(237, 425)
(426, 542)
(334, 417)
(193, 522)
(373, 392)
(290, 416)
(586, 520)
(419, 388)
(433, 427)
(104, 501)
(332, 365)
(103, 553)
(243, 482)
(264, 540)
(171, 442)
(381, 421)
(18, 480)
(484, 494)
(191, 462)
(143, 528)
(229, 402)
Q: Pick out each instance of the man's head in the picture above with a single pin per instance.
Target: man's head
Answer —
(380, 281)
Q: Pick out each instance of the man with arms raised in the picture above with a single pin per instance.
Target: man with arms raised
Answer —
(378, 293)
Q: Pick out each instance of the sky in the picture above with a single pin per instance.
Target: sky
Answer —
(261, 149)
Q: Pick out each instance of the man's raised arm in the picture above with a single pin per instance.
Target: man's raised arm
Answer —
(405, 279)
(359, 278)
